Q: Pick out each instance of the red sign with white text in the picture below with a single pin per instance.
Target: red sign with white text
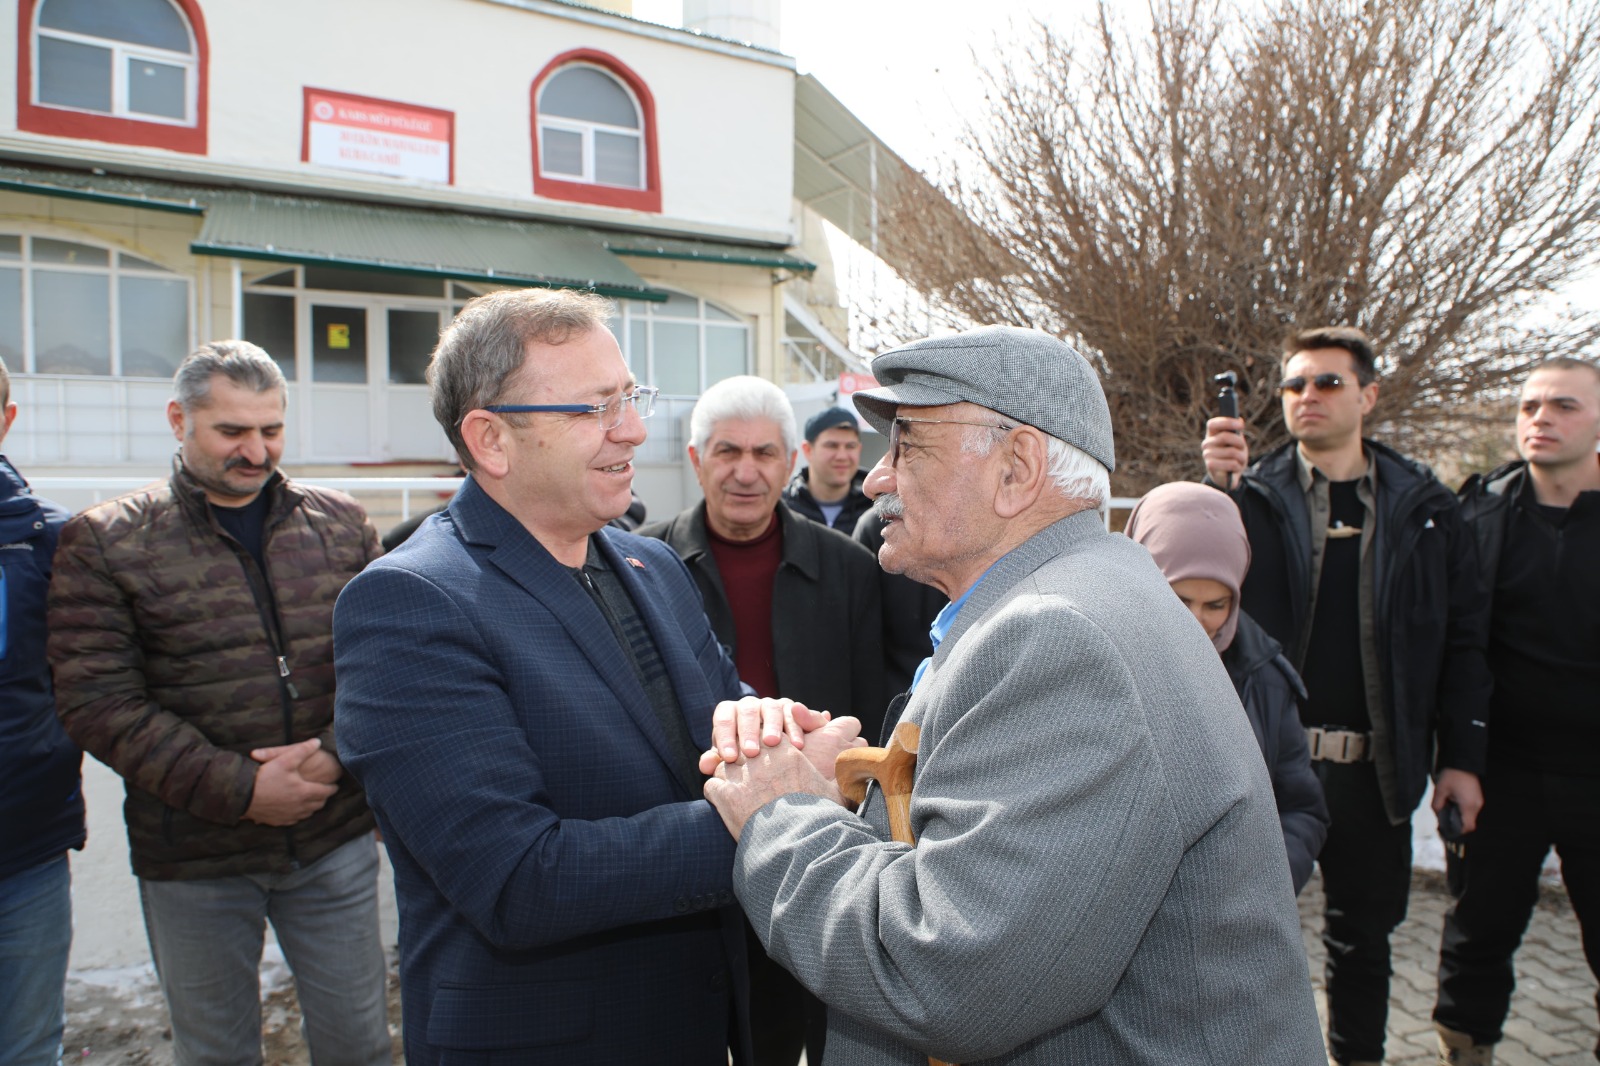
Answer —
(378, 136)
(849, 383)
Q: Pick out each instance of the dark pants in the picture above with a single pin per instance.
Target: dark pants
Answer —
(784, 1017)
(1497, 885)
(1366, 879)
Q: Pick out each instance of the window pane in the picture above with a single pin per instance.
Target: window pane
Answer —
(10, 247)
(585, 93)
(157, 89)
(462, 292)
(152, 22)
(284, 278)
(48, 251)
(616, 160)
(269, 322)
(71, 323)
(11, 319)
(133, 262)
(155, 325)
(677, 305)
(561, 152)
(717, 314)
(74, 75)
(343, 280)
(677, 354)
(638, 352)
(339, 344)
(412, 337)
(725, 352)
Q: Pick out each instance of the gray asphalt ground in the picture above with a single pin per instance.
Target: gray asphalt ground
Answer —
(119, 1019)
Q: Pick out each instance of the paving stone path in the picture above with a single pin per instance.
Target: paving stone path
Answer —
(1552, 1014)
(1552, 1019)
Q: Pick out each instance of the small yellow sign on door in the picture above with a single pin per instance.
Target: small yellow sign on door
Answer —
(338, 335)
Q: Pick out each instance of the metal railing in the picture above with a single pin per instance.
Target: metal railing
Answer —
(99, 488)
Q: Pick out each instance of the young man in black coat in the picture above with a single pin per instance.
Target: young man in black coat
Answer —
(1363, 571)
(829, 490)
(1537, 523)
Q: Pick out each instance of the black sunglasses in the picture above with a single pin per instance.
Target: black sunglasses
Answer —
(1323, 382)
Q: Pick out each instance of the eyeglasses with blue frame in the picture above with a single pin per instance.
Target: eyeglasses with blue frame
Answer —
(610, 413)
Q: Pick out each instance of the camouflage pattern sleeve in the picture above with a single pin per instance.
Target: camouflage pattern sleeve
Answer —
(97, 658)
(369, 533)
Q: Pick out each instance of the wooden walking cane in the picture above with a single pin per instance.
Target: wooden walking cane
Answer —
(892, 768)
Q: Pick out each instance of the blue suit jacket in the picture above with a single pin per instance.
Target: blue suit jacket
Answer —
(565, 895)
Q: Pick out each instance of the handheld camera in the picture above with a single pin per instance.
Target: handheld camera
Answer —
(1227, 398)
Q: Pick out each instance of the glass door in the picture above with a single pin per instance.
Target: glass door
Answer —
(411, 433)
(340, 426)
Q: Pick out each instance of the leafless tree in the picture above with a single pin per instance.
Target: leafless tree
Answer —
(1176, 201)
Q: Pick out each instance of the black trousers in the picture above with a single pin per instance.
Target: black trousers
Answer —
(1366, 879)
(784, 1017)
(1497, 884)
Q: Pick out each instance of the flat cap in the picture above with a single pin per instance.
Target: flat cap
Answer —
(1024, 374)
(830, 418)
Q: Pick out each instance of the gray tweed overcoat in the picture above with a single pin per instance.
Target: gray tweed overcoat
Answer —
(1100, 875)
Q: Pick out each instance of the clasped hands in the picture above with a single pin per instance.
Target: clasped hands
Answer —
(765, 748)
(293, 782)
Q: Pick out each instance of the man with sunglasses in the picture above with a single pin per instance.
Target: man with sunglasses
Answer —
(1363, 570)
(524, 692)
(1093, 818)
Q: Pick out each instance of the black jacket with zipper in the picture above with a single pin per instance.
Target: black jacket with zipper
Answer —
(827, 629)
(855, 503)
(41, 799)
(1431, 614)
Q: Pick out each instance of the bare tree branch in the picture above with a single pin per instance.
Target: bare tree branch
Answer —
(1176, 201)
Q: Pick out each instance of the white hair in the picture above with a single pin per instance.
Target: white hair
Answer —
(1077, 474)
(739, 398)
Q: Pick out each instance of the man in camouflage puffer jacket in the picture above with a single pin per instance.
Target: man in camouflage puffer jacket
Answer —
(191, 641)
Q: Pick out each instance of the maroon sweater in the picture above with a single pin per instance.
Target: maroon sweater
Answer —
(747, 569)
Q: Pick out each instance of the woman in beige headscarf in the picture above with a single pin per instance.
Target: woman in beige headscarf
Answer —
(1197, 539)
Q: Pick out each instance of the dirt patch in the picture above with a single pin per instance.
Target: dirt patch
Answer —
(117, 1018)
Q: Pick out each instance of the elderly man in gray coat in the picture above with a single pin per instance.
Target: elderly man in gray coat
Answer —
(1099, 876)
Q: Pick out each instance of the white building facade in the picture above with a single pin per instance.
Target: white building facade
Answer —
(334, 181)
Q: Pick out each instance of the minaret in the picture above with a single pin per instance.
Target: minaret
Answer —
(751, 21)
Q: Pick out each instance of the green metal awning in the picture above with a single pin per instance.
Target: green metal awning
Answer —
(647, 246)
(101, 189)
(423, 243)
(417, 241)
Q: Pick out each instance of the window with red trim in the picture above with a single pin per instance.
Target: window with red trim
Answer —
(131, 72)
(594, 133)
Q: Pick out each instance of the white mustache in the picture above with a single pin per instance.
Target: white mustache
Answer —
(889, 505)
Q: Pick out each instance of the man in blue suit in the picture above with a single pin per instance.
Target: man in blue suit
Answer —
(523, 693)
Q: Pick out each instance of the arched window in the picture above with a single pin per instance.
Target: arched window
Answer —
(82, 309)
(131, 72)
(594, 133)
(589, 129)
